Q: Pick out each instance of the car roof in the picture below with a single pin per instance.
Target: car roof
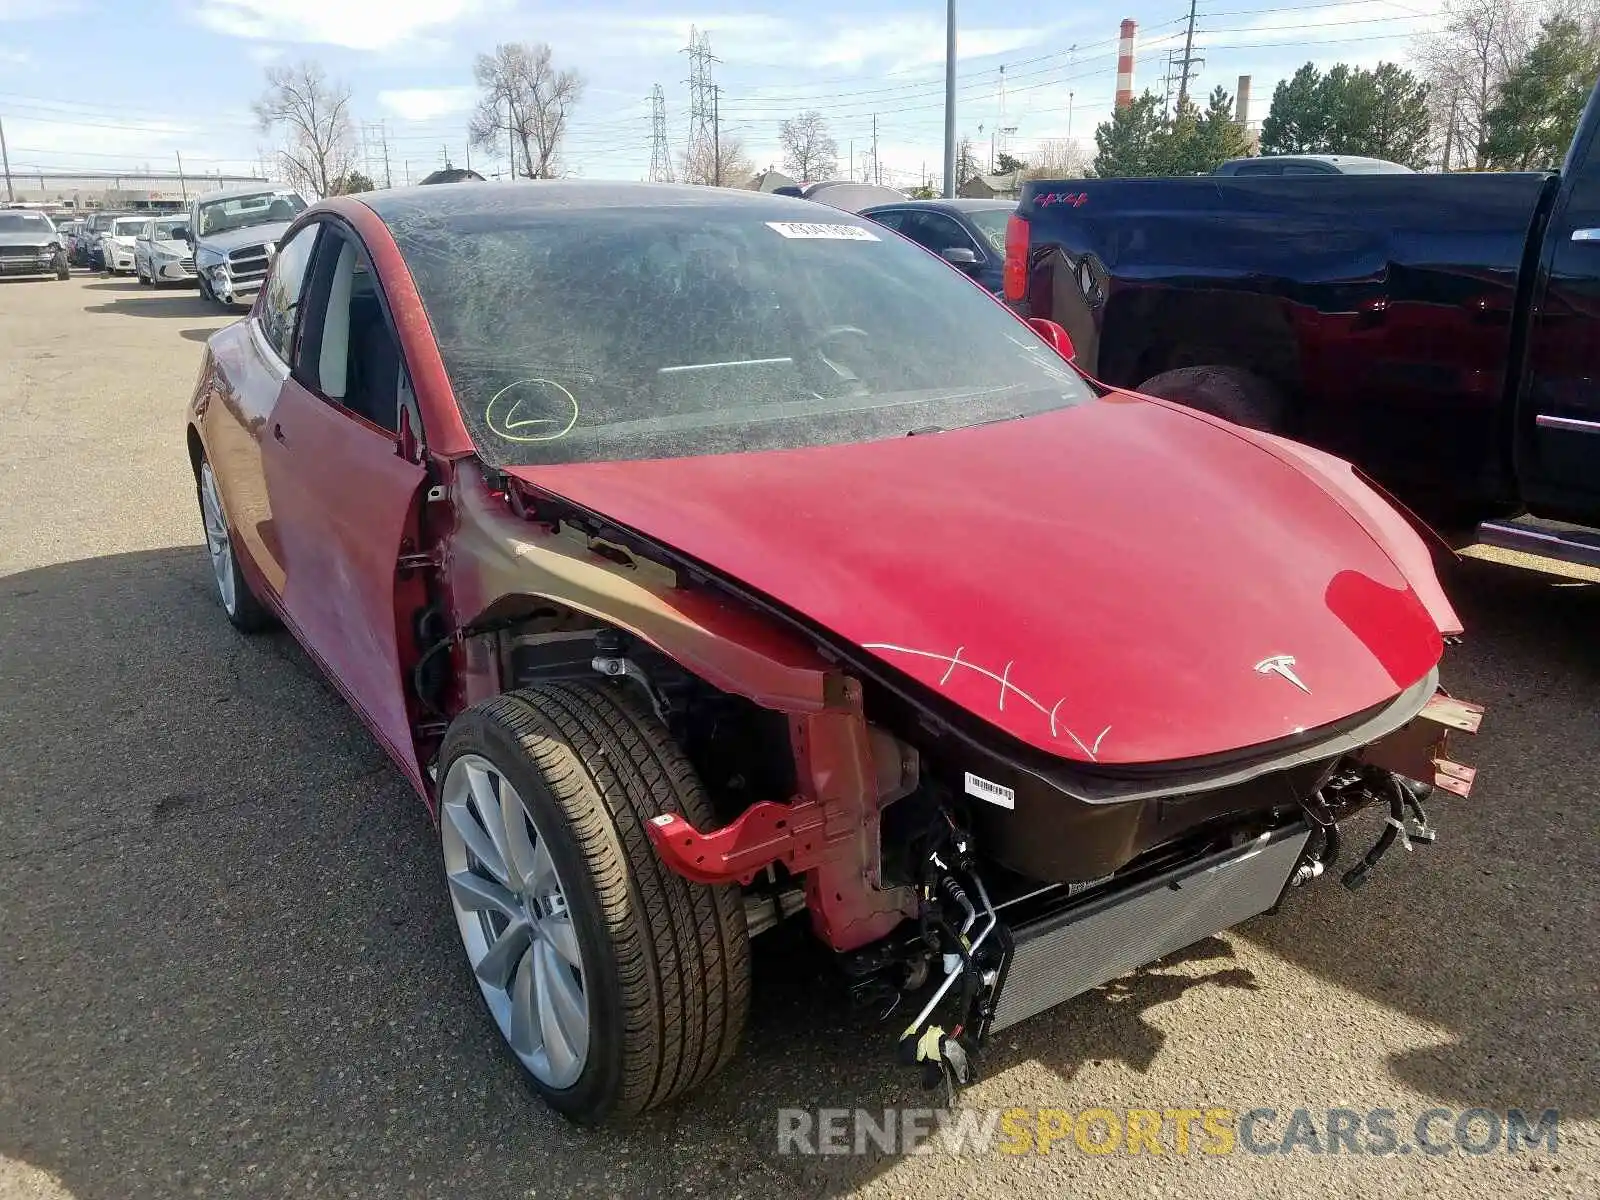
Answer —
(265, 185)
(554, 195)
(1359, 162)
(959, 204)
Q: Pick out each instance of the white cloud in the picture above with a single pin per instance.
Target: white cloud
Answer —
(424, 104)
(264, 54)
(356, 24)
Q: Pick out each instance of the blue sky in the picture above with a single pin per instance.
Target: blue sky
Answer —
(123, 83)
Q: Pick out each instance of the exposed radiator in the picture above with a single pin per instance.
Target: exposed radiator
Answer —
(1061, 956)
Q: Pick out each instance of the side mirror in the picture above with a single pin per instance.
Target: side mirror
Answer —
(1058, 338)
(960, 256)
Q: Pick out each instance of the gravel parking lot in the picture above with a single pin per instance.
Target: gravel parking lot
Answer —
(227, 966)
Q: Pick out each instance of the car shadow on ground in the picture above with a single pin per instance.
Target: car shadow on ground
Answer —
(1479, 934)
(160, 303)
(230, 968)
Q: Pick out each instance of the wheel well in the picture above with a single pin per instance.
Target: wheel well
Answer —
(1151, 330)
(740, 750)
(196, 452)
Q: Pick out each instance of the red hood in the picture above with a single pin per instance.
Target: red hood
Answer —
(1101, 582)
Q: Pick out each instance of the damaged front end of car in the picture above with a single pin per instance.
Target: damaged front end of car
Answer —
(963, 879)
(1027, 894)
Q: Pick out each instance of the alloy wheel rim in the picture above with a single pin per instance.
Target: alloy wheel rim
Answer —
(511, 907)
(218, 542)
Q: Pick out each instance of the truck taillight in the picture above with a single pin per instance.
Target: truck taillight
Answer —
(1016, 272)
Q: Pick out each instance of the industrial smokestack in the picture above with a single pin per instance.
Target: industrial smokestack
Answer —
(1130, 30)
(1241, 109)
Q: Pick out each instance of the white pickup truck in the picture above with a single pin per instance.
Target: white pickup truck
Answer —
(234, 233)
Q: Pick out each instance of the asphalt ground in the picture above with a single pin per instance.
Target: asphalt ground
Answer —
(227, 965)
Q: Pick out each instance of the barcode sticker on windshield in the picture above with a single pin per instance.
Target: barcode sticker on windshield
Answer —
(994, 793)
(826, 232)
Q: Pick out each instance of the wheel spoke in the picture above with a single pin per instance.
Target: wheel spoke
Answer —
(477, 894)
(524, 1034)
(477, 839)
(563, 938)
(483, 792)
(496, 966)
(519, 838)
(542, 871)
(563, 1016)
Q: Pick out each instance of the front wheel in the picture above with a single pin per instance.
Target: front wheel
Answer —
(616, 983)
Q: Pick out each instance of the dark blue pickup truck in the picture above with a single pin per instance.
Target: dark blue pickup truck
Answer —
(1440, 331)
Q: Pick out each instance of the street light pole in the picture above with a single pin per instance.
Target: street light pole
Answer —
(950, 100)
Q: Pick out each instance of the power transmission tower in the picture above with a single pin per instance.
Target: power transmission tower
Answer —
(660, 157)
(1178, 73)
(1188, 57)
(703, 150)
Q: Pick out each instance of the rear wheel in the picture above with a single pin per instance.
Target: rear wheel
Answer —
(1231, 393)
(617, 984)
(246, 612)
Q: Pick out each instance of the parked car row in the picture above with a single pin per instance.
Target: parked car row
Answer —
(224, 242)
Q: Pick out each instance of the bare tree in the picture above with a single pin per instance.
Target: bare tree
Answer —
(1057, 158)
(525, 101)
(313, 117)
(1465, 64)
(722, 162)
(808, 150)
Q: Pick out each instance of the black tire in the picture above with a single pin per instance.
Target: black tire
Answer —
(63, 268)
(1231, 393)
(247, 613)
(666, 962)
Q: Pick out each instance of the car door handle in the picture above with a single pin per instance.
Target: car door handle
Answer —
(277, 433)
(1586, 235)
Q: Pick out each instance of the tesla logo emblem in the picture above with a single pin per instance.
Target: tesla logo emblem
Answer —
(1282, 664)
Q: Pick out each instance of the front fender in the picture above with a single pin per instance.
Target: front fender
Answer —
(1379, 515)
(496, 557)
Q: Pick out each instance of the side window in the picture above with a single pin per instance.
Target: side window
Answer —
(348, 353)
(916, 227)
(280, 300)
(892, 219)
(945, 232)
(1308, 169)
(936, 231)
(1261, 168)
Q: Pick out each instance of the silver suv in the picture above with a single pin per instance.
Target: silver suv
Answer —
(234, 233)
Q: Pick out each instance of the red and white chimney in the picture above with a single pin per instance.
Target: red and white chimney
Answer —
(1130, 30)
